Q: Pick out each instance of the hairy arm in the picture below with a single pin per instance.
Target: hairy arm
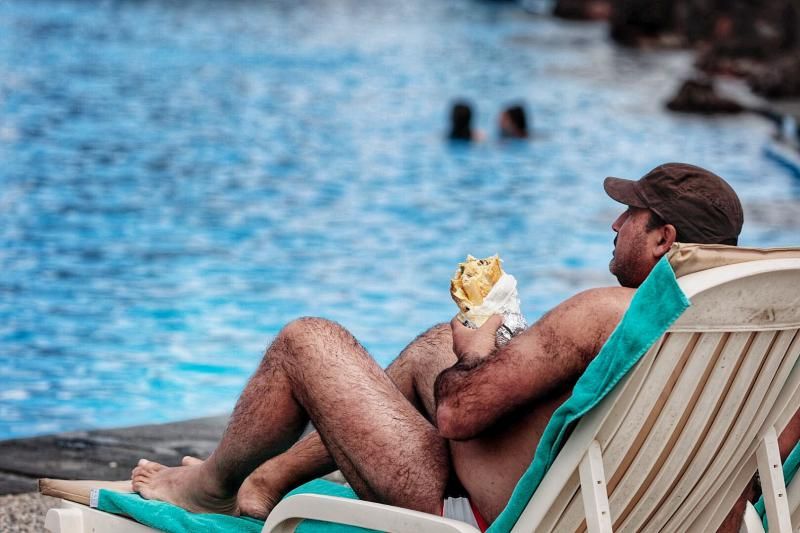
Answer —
(486, 384)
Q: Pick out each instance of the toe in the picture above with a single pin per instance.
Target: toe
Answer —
(149, 466)
(191, 461)
(140, 471)
(136, 484)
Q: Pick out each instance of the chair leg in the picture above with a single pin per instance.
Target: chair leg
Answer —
(593, 489)
(63, 521)
(773, 486)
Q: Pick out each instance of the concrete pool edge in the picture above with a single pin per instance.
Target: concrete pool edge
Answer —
(107, 454)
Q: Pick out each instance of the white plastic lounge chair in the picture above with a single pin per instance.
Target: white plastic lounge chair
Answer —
(74, 513)
(671, 448)
(752, 520)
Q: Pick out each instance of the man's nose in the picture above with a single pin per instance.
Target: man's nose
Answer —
(618, 223)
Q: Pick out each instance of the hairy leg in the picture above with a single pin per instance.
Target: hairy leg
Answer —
(316, 369)
(413, 373)
(416, 368)
(789, 436)
(733, 521)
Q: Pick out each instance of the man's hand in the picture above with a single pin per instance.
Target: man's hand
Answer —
(475, 344)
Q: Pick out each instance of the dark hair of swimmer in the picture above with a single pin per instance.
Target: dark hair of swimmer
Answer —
(460, 119)
(516, 124)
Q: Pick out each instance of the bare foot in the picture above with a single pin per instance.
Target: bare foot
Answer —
(257, 495)
(189, 487)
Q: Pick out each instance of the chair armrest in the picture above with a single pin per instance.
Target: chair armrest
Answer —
(288, 514)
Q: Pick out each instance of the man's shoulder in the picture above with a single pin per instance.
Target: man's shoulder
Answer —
(589, 317)
(600, 299)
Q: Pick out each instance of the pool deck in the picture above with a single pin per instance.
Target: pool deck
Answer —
(107, 454)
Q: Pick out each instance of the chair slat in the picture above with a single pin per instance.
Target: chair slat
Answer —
(740, 466)
(725, 388)
(793, 494)
(650, 400)
(740, 442)
(769, 380)
(662, 437)
(666, 370)
(559, 487)
(723, 422)
(679, 435)
(728, 490)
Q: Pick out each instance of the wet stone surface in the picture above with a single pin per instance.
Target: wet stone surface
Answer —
(107, 454)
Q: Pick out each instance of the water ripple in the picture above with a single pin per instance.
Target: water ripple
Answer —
(179, 180)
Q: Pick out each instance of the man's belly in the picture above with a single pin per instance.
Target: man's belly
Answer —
(490, 466)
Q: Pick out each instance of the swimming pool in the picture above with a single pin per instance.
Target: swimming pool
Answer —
(180, 179)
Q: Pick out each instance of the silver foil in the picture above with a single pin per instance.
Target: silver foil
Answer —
(513, 324)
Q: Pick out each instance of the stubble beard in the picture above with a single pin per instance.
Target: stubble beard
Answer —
(625, 268)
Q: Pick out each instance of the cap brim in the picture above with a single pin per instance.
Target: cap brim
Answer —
(623, 191)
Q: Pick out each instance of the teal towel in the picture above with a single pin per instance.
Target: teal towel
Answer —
(168, 517)
(173, 519)
(655, 306)
(790, 467)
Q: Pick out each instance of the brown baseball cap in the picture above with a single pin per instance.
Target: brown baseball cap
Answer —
(701, 205)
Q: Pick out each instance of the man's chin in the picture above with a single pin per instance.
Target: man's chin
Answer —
(623, 278)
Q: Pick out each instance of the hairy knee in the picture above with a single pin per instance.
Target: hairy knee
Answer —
(296, 332)
(438, 339)
(304, 328)
(309, 336)
(441, 331)
(430, 352)
(307, 330)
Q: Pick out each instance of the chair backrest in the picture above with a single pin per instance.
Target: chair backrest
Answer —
(679, 434)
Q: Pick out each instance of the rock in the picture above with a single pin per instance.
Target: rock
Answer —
(582, 9)
(699, 96)
(779, 78)
(749, 34)
(107, 454)
(634, 21)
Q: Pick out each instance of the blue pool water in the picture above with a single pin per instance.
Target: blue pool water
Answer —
(179, 179)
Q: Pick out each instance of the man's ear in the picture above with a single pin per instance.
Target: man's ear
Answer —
(666, 238)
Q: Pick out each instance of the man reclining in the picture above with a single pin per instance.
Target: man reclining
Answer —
(452, 414)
